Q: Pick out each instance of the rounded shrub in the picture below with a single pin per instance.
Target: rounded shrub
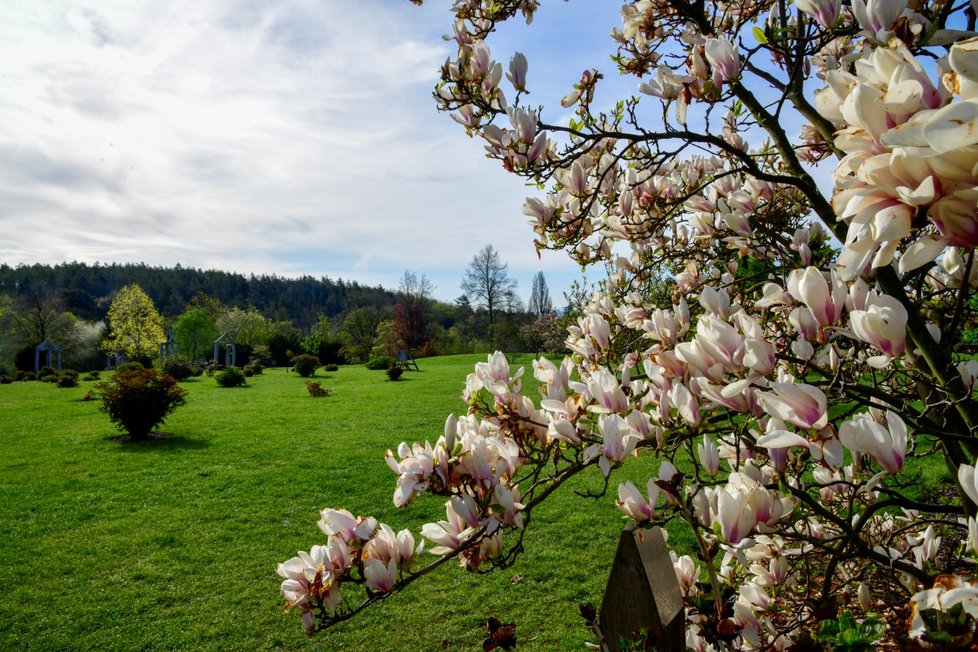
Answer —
(179, 367)
(230, 377)
(331, 367)
(129, 366)
(67, 378)
(137, 400)
(317, 390)
(394, 372)
(380, 362)
(305, 365)
(6, 380)
(47, 374)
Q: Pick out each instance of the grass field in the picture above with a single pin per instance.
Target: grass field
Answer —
(172, 544)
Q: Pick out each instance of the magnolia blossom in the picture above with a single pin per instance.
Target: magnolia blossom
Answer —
(883, 324)
(810, 286)
(826, 12)
(924, 546)
(734, 515)
(968, 480)
(709, 455)
(887, 445)
(724, 58)
(462, 520)
(618, 440)
(727, 319)
(803, 405)
(948, 591)
(380, 576)
(686, 572)
(517, 71)
(341, 523)
(387, 546)
(636, 506)
(303, 574)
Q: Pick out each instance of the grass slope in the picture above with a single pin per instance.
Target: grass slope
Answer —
(172, 544)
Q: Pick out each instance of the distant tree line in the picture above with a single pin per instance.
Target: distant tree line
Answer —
(86, 290)
(94, 312)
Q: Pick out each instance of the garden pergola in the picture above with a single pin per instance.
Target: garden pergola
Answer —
(230, 349)
(46, 347)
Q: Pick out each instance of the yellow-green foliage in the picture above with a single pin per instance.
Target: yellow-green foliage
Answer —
(135, 326)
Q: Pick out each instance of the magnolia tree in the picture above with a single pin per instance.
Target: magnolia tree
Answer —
(809, 357)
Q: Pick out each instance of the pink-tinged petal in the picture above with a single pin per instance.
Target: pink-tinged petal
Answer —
(724, 57)
(379, 576)
(956, 217)
(953, 127)
(922, 252)
(338, 522)
(391, 461)
(963, 59)
(969, 481)
(735, 515)
(517, 71)
(709, 455)
(782, 439)
(826, 12)
(809, 286)
(886, 445)
(633, 504)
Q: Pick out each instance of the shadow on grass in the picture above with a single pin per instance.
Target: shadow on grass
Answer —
(158, 441)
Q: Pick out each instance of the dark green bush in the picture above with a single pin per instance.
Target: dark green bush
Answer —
(197, 371)
(305, 365)
(394, 372)
(92, 375)
(130, 366)
(6, 380)
(47, 374)
(67, 378)
(179, 367)
(256, 366)
(23, 376)
(249, 370)
(137, 400)
(331, 367)
(230, 377)
(211, 367)
(380, 362)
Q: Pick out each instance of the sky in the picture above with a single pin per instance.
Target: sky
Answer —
(283, 137)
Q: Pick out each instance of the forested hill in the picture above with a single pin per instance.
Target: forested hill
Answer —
(86, 290)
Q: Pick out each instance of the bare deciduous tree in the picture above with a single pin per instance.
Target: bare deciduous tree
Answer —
(540, 301)
(487, 282)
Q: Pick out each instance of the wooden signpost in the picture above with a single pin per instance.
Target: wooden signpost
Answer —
(642, 600)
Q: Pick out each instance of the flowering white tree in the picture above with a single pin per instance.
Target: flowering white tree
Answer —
(812, 348)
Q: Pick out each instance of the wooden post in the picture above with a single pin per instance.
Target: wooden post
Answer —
(643, 595)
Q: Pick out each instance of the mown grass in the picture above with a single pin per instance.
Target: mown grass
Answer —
(172, 544)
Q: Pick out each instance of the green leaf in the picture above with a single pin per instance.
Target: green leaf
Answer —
(759, 35)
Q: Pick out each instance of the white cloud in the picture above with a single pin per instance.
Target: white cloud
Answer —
(294, 137)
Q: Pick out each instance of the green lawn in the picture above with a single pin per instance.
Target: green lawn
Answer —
(172, 544)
